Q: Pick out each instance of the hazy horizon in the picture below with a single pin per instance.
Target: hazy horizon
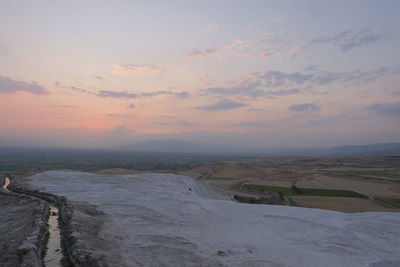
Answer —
(254, 74)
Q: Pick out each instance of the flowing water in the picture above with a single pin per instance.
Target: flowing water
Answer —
(53, 254)
(6, 183)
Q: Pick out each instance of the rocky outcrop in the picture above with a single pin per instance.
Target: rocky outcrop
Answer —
(33, 247)
(74, 250)
(32, 250)
(271, 198)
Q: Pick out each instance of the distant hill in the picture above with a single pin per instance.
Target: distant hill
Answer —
(167, 145)
(183, 146)
(186, 147)
(383, 149)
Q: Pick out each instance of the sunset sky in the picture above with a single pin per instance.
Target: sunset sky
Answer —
(252, 73)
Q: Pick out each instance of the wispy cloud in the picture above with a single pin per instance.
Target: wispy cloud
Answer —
(391, 109)
(167, 116)
(125, 94)
(304, 107)
(239, 48)
(251, 90)
(278, 78)
(157, 93)
(105, 93)
(223, 104)
(255, 86)
(202, 53)
(250, 124)
(176, 122)
(276, 45)
(78, 89)
(8, 85)
(355, 77)
(136, 69)
(72, 88)
(274, 83)
(351, 39)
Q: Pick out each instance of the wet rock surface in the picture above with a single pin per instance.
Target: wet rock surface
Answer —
(75, 250)
(23, 230)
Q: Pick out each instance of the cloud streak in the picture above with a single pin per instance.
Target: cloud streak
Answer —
(8, 85)
(202, 53)
(274, 83)
(351, 39)
(106, 93)
(223, 104)
(176, 122)
(136, 69)
(158, 93)
(304, 107)
(391, 109)
(125, 94)
(250, 90)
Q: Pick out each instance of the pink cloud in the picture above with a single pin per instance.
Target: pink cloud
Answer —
(239, 48)
(264, 56)
(239, 41)
(293, 51)
(269, 55)
(136, 69)
(391, 95)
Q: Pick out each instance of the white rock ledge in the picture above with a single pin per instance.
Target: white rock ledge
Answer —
(167, 219)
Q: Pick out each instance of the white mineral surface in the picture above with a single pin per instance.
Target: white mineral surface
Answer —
(172, 220)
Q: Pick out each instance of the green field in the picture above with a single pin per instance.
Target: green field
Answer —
(389, 172)
(391, 201)
(287, 191)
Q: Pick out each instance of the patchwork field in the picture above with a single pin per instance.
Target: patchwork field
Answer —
(376, 179)
(344, 204)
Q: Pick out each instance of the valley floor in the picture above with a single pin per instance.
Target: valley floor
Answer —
(173, 220)
(377, 178)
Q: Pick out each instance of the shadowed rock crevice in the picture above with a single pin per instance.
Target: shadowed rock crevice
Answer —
(74, 248)
(23, 229)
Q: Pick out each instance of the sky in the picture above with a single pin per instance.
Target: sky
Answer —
(250, 73)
